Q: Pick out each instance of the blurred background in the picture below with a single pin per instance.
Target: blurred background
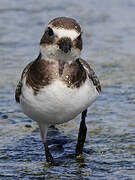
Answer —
(109, 46)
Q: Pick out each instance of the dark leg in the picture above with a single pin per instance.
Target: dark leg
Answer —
(49, 157)
(43, 131)
(81, 135)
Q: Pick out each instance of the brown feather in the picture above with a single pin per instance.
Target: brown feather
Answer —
(92, 75)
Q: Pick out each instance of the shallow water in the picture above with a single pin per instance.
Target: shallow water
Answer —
(109, 37)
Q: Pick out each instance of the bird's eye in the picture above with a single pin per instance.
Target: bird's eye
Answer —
(79, 37)
(50, 32)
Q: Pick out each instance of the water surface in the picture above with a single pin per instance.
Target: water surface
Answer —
(109, 38)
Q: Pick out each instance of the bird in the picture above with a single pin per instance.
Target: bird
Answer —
(58, 85)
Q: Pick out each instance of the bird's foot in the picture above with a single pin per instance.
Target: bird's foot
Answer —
(79, 156)
(49, 159)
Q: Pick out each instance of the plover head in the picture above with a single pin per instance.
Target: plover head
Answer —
(62, 39)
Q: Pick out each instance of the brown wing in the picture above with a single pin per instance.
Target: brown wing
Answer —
(91, 74)
(19, 85)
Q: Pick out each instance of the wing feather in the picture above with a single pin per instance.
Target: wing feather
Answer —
(19, 85)
(91, 74)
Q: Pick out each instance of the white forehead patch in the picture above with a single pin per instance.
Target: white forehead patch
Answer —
(61, 32)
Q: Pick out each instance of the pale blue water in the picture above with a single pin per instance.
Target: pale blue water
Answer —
(109, 43)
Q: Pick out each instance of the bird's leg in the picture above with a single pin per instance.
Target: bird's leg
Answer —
(43, 132)
(81, 135)
(48, 155)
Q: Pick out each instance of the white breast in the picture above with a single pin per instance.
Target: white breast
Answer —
(56, 103)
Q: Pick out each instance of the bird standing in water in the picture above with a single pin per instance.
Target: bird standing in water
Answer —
(59, 84)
